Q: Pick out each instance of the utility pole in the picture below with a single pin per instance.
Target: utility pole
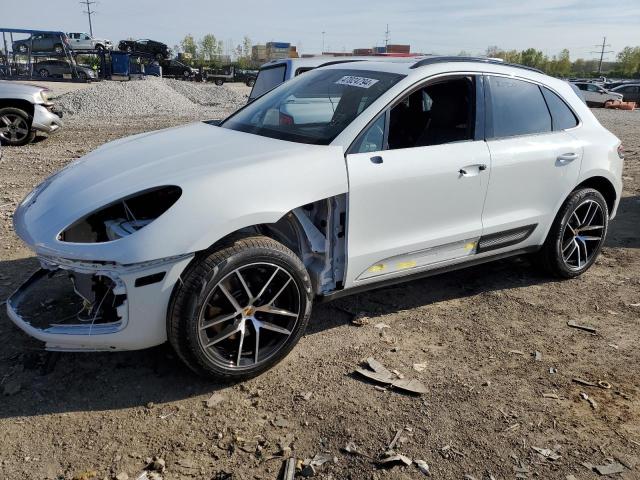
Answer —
(323, 33)
(386, 38)
(602, 52)
(88, 13)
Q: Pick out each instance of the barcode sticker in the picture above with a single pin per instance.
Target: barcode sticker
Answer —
(361, 82)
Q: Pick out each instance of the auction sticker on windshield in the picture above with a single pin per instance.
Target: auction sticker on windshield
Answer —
(361, 82)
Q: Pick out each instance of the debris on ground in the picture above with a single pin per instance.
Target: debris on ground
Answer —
(420, 367)
(85, 475)
(547, 453)
(122, 476)
(551, 395)
(516, 352)
(289, 469)
(215, 400)
(392, 445)
(591, 401)
(381, 325)
(612, 468)
(583, 382)
(392, 459)
(585, 328)
(353, 449)
(537, 356)
(156, 464)
(423, 467)
(380, 374)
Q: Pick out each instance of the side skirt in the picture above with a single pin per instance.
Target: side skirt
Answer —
(427, 273)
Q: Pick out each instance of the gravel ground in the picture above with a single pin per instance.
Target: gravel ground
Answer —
(151, 96)
(490, 400)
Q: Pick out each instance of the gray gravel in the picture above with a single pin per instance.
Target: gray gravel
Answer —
(151, 96)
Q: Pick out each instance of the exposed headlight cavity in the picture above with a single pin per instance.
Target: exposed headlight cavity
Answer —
(122, 217)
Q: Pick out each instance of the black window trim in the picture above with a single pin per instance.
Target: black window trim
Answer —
(269, 67)
(489, 112)
(480, 126)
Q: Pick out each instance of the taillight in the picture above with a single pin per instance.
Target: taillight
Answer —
(286, 119)
(621, 151)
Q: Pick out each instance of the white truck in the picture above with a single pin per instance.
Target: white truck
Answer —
(84, 41)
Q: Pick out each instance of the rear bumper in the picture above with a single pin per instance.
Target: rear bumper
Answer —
(48, 304)
(45, 121)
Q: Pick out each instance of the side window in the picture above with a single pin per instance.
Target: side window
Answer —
(582, 86)
(372, 140)
(442, 112)
(517, 108)
(592, 88)
(561, 115)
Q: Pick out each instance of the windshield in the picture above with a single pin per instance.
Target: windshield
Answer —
(315, 107)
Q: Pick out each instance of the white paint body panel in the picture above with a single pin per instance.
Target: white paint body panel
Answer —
(415, 200)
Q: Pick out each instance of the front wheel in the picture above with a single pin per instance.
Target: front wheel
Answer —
(577, 234)
(58, 49)
(251, 83)
(15, 127)
(219, 82)
(240, 310)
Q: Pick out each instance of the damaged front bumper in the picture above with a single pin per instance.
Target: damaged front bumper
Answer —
(81, 306)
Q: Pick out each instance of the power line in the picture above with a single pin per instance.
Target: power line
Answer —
(602, 52)
(88, 13)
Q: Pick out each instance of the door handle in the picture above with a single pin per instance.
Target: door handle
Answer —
(377, 160)
(567, 157)
(480, 166)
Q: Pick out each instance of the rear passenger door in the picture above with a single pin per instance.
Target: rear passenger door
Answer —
(535, 161)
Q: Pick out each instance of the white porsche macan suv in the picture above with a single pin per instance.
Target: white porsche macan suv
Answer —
(219, 237)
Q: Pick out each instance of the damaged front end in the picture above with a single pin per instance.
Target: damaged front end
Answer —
(80, 306)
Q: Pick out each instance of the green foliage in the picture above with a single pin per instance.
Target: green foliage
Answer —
(561, 65)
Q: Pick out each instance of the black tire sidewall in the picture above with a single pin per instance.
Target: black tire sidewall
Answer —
(204, 274)
(554, 241)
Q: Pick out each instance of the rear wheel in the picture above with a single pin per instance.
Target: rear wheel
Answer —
(15, 127)
(219, 82)
(22, 48)
(57, 48)
(82, 75)
(251, 83)
(240, 309)
(43, 72)
(577, 234)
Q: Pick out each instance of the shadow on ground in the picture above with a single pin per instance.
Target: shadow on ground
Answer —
(67, 382)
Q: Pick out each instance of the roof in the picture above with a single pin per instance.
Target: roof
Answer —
(21, 30)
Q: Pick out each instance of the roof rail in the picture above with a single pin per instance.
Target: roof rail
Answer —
(493, 61)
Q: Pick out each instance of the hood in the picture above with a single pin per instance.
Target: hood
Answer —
(9, 88)
(227, 178)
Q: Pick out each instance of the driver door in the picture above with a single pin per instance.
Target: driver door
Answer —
(416, 202)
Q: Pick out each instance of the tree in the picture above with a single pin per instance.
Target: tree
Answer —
(208, 47)
(533, 58)
(188, 45)
(629, 58)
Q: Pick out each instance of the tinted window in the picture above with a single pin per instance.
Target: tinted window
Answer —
(582, 86)
(267, 79)
(561, 115)
(517, 108)
(315, 107)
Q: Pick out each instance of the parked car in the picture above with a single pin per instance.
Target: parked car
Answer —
(150, 47)
(42, 42)
(248, 77)
(174, 68)
(630, 92)
(597, 96)
(24, 111)
(219, 75)
(84, 41)
(59, 68)
(363, 174)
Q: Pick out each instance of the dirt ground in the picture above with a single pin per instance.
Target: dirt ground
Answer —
(490, 398)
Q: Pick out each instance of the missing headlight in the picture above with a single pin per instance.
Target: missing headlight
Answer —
(123, 217)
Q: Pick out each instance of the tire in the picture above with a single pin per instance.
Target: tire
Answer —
(565, 253)
(277, 318)
(159, 56)
(100, 48)
(15, 127)
(57, 48)
(82, 76)
(219, 82)
(22, 48)
(128, 49)
(186, 74)
(43, 72)
(251, 83)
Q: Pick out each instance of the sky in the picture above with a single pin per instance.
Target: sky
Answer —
(443, 27)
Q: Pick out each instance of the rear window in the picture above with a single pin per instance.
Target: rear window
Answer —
(517, 108)
(561, 115)
(267, 79)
